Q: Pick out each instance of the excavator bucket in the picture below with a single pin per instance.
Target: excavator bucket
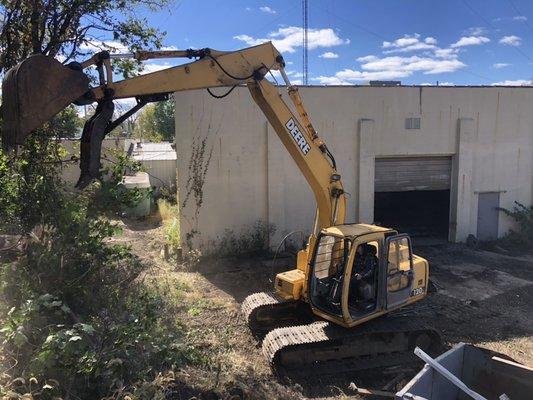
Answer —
(33, 92)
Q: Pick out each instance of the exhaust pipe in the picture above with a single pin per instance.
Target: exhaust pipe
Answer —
(33, 92)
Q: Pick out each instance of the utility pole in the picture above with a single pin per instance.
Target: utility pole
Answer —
(305, 41)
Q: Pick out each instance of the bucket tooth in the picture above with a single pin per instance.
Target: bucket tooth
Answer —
(33, 92)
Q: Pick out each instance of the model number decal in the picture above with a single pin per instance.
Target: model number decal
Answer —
(417, 291)
(298, 136)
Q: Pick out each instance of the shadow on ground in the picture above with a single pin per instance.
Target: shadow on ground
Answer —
(482, 298)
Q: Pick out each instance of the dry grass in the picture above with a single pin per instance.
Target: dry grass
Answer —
(169, 214)
(210, 317)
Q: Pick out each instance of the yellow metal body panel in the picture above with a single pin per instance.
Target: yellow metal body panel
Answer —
(199, 74)
(354, 230)
(289, 284)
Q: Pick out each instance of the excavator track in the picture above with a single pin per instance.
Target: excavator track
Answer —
(264, 312)
(322, 348)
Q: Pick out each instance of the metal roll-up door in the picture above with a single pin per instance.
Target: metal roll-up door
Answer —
(402, 174)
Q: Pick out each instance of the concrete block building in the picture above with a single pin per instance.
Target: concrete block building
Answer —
(433, 161)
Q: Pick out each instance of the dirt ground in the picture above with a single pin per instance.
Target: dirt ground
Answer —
(482, 298)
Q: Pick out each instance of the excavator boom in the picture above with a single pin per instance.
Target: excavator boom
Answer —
(39, 87)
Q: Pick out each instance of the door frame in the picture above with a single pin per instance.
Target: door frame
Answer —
(498, 198)
(393, 299)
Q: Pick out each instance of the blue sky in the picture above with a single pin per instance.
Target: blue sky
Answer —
(461, 42)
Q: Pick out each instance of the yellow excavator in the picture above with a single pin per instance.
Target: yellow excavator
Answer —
(321, 314)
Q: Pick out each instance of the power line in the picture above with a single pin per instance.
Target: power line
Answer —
(478, 14)
(524, 19)
(493, 27)
(377, 35)
(360, 27)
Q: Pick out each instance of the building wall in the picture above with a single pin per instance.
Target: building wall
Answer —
(162, 173)
(487, 130)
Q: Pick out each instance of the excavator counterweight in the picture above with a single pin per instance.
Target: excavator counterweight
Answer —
(33, 92)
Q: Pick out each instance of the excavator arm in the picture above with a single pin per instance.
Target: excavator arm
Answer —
(39, 87)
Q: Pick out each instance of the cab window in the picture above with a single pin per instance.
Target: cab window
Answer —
(399, 264)
(331, 254)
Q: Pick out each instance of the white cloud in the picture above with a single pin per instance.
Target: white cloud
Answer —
(475, 31)
(438, 84)
(375, 68)
(329, 54)
(274, 75)
(294, 74)
(426, 65)
(94, 46)
(511, 40)
(409, 43)
(520, 18)
(150, 67)
(113, 46)
(500, 65)
(517, 82)
(287, 39)
(446, 53)
(268, 10)
(367, 58)
(470, 41)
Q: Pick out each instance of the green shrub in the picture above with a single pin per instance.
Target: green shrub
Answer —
(251, 241)
(523, 216)
(76, 322)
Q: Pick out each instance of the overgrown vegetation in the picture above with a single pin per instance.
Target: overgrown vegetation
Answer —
(522, 238)
(156, 122)
(76, 320)
(170, 218)
(68, 29)
(250, 241)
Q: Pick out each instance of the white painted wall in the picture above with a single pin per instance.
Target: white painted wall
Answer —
(487, 130)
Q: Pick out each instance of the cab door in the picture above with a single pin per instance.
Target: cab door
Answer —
(399, 269)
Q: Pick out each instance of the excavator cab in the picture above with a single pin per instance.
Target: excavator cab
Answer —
(359, 271)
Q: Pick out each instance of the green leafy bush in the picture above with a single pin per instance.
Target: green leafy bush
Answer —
(523, 216)
(76, 320)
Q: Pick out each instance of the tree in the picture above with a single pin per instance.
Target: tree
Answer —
(156, 122)
(67, 124)
(164, 119)
(66, 29)
(145, 127)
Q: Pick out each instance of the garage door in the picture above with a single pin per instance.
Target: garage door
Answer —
(401, 174)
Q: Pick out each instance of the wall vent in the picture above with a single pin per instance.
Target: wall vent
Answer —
(412, 123)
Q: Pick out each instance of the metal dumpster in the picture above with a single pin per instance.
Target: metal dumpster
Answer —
(486, 372)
